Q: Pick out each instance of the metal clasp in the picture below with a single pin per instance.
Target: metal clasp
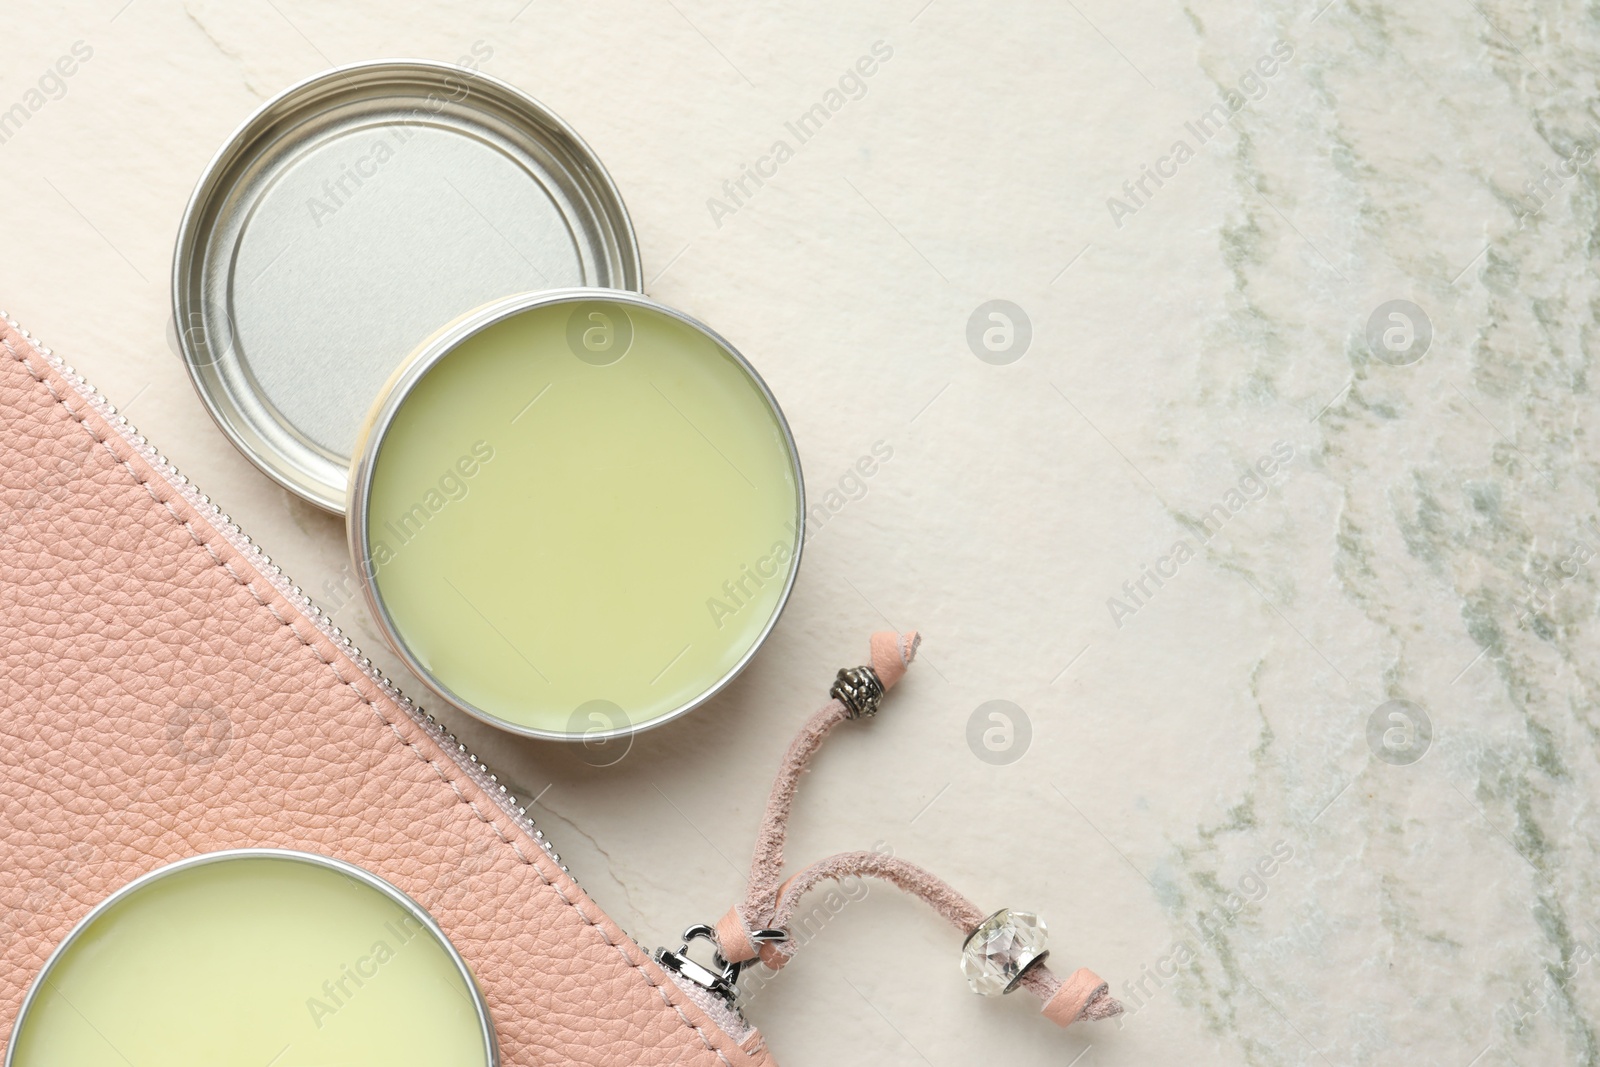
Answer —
(723, 980)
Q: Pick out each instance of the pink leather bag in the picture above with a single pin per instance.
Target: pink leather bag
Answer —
(165, 692)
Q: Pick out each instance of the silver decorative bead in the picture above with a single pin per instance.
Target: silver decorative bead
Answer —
(1001, 950)
(859, 690)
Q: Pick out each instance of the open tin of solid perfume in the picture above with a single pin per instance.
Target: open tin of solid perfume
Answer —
(576, 513)
(353, 215)
(255, 956)
(408, 292)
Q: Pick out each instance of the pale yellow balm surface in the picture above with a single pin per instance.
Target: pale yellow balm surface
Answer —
(580, 509)
(252, 961)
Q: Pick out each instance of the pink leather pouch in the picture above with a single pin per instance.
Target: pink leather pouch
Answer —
(166, 692)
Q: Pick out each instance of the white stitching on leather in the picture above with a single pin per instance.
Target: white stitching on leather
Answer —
(538, 869)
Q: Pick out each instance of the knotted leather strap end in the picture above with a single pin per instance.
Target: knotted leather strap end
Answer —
(1073, 998)
(733, 938)
(773, 957)
(892, 653)
(774, 954)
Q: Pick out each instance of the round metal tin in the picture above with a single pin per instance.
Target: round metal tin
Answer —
(370, 445)
(348, 870)
(351, 217)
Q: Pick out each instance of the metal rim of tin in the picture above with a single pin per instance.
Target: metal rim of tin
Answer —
(272, 445)
(349, 870)
(370, 444)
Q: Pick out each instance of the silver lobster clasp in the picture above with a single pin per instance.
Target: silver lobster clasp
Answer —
(721, 977)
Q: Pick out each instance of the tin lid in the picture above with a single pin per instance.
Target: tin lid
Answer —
(350, 218)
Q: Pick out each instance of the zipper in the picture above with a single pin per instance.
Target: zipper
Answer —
(469, 763)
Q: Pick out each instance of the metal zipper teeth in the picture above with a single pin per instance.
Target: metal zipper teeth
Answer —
(469, 763)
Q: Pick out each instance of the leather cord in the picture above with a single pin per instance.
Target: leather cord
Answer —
(770, 904)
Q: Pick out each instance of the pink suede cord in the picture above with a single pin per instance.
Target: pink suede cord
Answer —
(766, 866)
(962, 913)
(1084, 995)
(891, 653)
(767, 904)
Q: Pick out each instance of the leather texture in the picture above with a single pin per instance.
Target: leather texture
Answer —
(160, 697)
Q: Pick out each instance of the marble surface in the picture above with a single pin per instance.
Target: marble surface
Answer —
(1210, 790)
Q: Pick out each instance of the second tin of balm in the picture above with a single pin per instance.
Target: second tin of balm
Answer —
(577, 513)
(255, 956)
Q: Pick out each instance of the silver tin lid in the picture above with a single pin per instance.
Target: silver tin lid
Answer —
(354, 215)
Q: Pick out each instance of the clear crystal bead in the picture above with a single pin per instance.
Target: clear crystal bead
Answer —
(1003, 946)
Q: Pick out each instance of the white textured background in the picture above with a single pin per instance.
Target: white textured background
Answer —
(1441, 912)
